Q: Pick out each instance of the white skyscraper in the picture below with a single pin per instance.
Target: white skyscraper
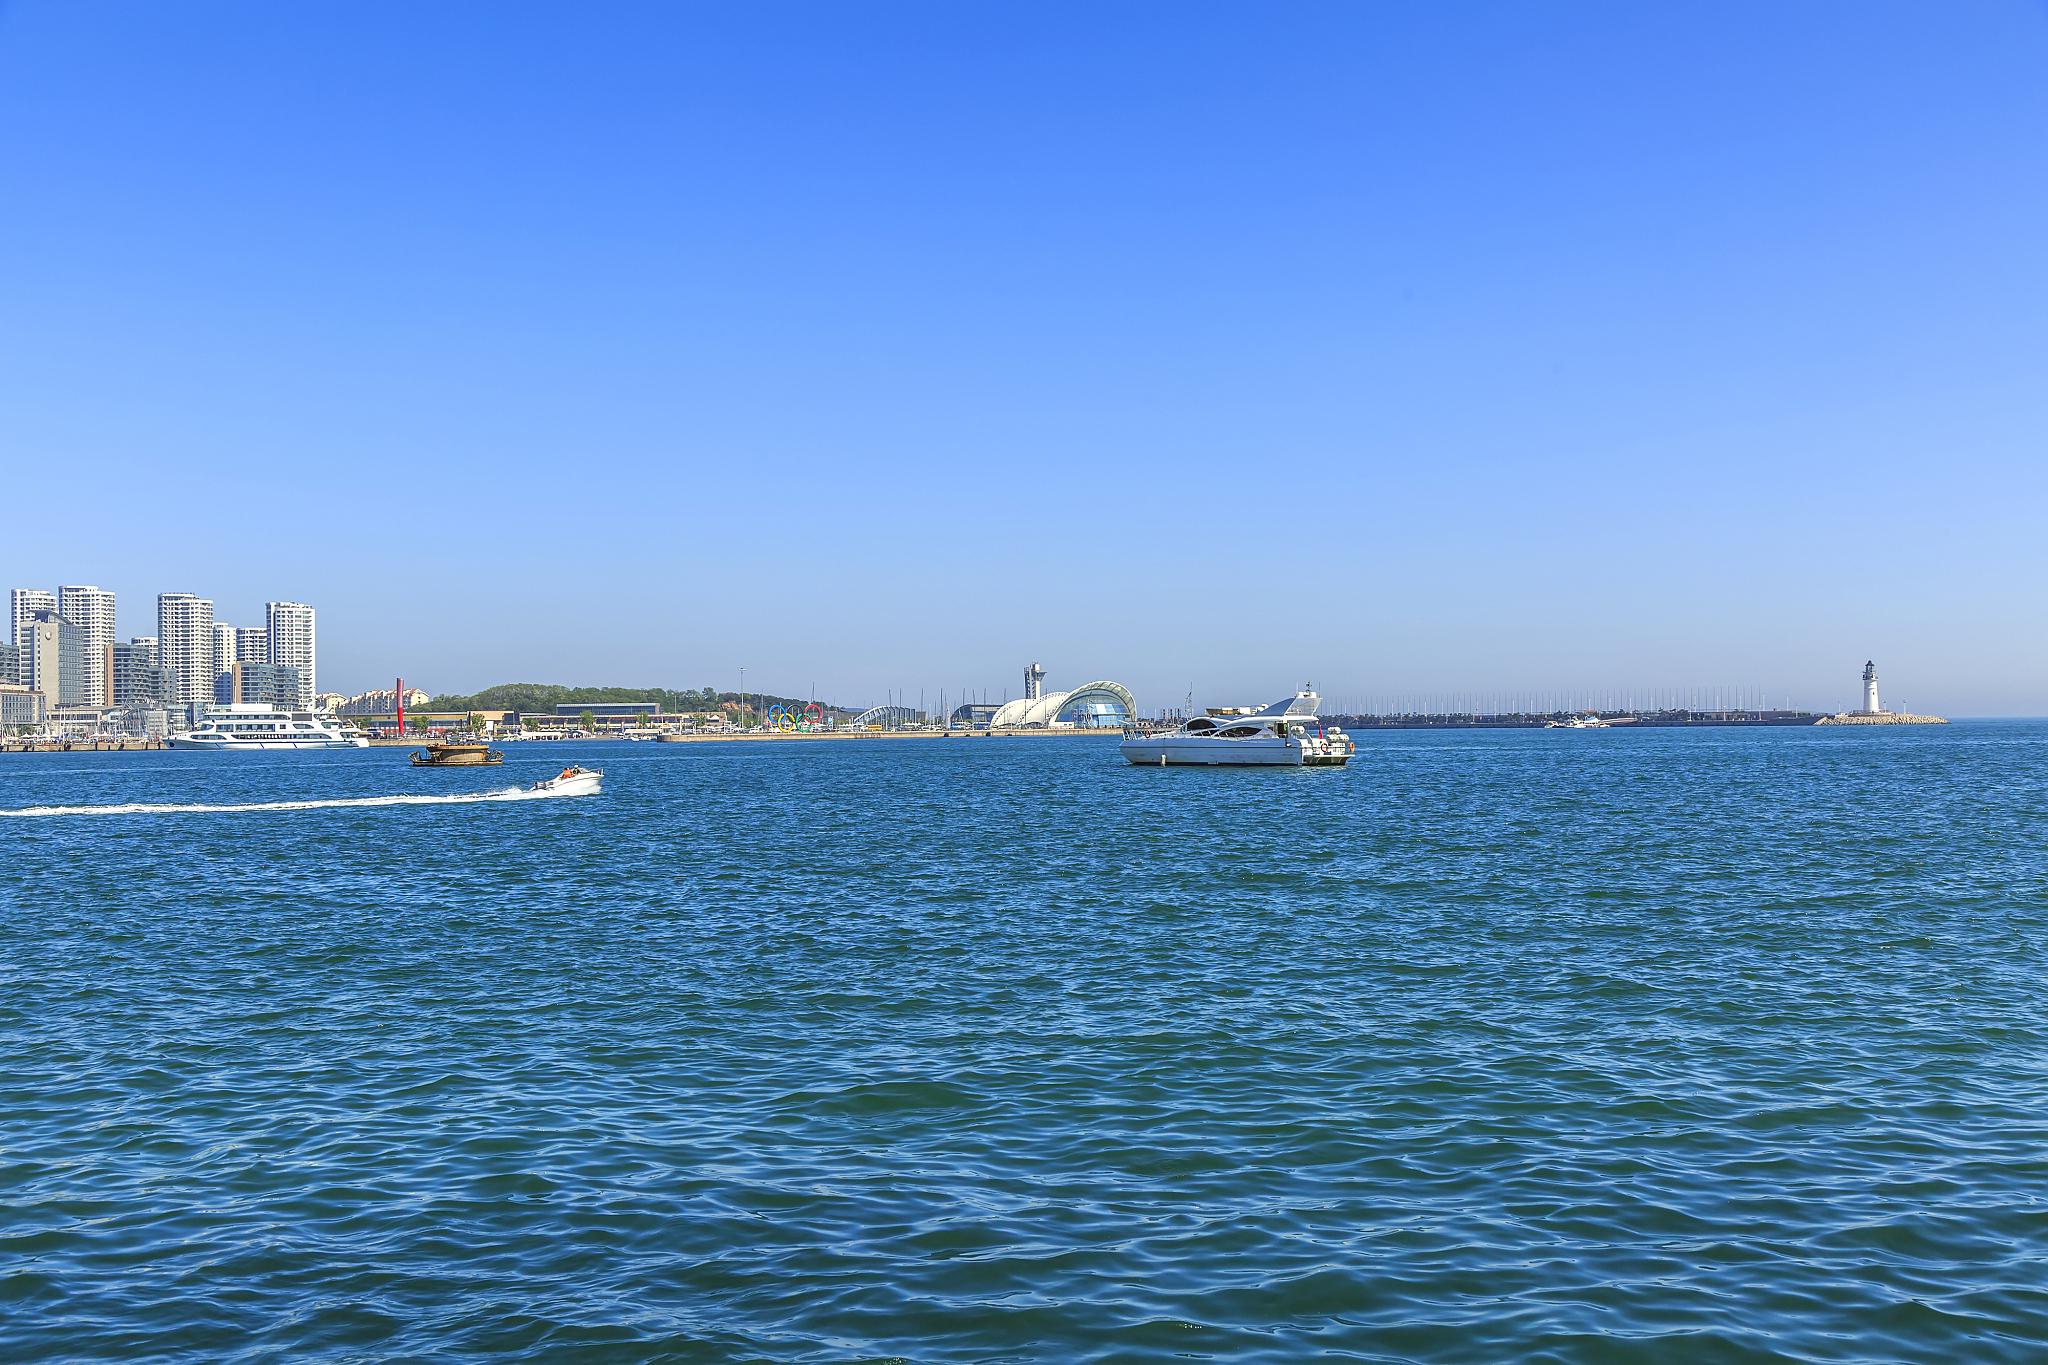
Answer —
(291, 643)
(91, 611)
(252, 645)
(223, 651)
(184, 632)
(23, 604)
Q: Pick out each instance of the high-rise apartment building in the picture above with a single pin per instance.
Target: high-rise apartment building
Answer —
(184, 632)
(22, 605)
(252, 645)
(291, 644)
(223, 651)
(91, 611)
(56, 659)
(264, 684)
(138, 677)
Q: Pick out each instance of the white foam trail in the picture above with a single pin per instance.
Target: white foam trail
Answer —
(334, 803)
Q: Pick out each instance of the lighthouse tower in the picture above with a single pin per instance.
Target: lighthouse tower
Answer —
(1870, 706)
(1034, 682)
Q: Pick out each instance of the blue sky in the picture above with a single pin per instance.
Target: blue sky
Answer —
(1410, 348)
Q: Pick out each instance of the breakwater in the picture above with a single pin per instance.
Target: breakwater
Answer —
(1525, 720)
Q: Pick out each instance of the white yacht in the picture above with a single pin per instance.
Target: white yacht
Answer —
(1285, 734)
(1588, 721)
(246, 725)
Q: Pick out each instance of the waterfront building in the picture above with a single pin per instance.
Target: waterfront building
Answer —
(21, 708)
(56, 659)
(138, 676)
(382, 701)
(973, 715)
(91, 611)
(184, 631)
(252, 644)
(1100, 705)
(10, 663)
(259, 684)
(609, 710)
(441, 723)
(23, 604)
(141, 720)
(77, 720)
(290, 627)
(605, 717)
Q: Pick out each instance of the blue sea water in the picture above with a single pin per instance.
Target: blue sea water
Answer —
(1717, 1044)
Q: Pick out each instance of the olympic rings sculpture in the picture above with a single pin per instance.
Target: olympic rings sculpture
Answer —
(811, 717)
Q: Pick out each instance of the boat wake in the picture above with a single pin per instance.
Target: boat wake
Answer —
(332, 803)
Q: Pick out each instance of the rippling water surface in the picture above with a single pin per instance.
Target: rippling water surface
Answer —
(1720, 1044)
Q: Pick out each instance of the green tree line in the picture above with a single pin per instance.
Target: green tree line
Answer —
(547, 696)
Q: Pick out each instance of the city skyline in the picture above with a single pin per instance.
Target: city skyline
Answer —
(886, 350)
(291, 626)
(67, 647)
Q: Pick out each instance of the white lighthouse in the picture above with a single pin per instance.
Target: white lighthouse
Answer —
(1870, 706)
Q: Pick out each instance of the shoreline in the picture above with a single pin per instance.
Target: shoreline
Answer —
(760, 737)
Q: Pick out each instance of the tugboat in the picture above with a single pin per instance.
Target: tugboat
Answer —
(457, 756)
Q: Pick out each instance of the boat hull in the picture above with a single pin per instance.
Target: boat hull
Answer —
(583, 784)
(1196, 751)
(238, 746)
(457, 756)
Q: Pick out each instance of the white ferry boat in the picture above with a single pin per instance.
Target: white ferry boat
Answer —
(1285, 734)
(251, 726)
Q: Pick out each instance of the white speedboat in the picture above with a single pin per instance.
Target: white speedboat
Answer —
(1589, 721)
(1285, 734)
(571, 781)
(249, 726)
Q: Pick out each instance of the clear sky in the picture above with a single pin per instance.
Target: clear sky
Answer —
(1489, 347)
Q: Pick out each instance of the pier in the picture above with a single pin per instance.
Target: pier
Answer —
(79, 746)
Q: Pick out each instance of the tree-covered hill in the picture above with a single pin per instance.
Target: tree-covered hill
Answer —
(547, 696)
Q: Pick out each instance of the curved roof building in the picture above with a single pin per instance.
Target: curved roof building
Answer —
(1100, 705)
